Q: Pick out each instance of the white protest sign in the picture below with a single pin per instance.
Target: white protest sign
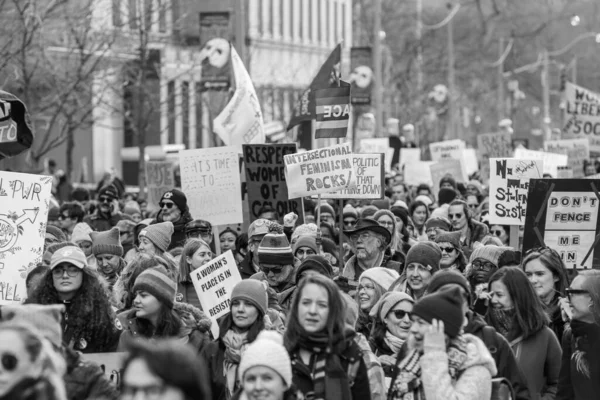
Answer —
(551, 160)
(578, 151)
(210, 178)
(582, 114)
(214, 282)
(379, 145)
(469, 158)
(595, 176)
(450, 149)
(24, 203)
(492, 145)
(408, 156)
(564, 173)
(418, 172)
(443, 168)
(369, 179)
(159, 179)
(319, 171)
(509, 184)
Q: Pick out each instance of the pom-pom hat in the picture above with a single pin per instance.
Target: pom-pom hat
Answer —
(267, 351)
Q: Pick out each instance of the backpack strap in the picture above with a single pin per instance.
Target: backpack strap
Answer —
(489, 339)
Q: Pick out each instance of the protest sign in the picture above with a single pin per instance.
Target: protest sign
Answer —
(551, 160)
(492, 145)
(265, 179)
(319, 171)
(595, 176)
(25, 201)
(509, 182)
(450, 149)
(376, 145)
(408, 156)
(214, 282)
(443, 168)
(111, 364)
(418, 172)
(333, 112)
(361, 77)
(582, 113)
(370, 182)
(210, 178)
(215, 33)
(469, 158)
(563, 214)
(159, 179)
(564, 173)
(577, 151)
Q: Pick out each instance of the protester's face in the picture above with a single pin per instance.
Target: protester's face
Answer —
(146, 246)
(313, 308)
(399, 225)
(366, 245)
(446, 185)
(199, 258)
(169, 211)
(580, 301)
(398, 320)
(398, 193)
(367, 294)
(16, 362)
(146, 305)
(263, 383)
(541, 278)
(449, 254)
(66, 222)
(482, 269)
(349, 222)
(67, 278)
(499, 296)
(457, 217)
(227, 240)
(398, 179)
(327, 218)
(418, 329)
(204, 235)
(418, 276)
(243, 313)
(432, 233)
(86, 247)
(419, 215)
(277, 274)
(104, 203)
(473, 203)
(500, 233)
(137, 218)
(303, 252)
(423, 192)
(387, 222)
(140, 383)
(108, 263)
(472, 190)
(326, 232)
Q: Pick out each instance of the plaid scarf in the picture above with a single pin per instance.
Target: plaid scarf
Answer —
(235, 345)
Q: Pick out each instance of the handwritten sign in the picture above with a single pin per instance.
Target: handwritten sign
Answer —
(564, 173)
(577, 150)
(450, 149)
(469, 158)
(111, 364)
(443, 168)
(509, 183)
(551, 160)
(582, 116)
(379, 145)
(563, 215)
(159, 179)
(492, 145)
(214, 283)
(369, 179)
(418, 172)
(265, 179)
(210, 178)
(319, 171)
(24, 200)
(408, 156)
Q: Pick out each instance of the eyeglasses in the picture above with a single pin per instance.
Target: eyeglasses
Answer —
(9, 362)
(361, 236)
(457, 216)
(399, 314)
(447, 249)
(496, 232)
(71, 270)
(104, 199)
(148, 392)
(168, 205)
(573, 292)
(486, 266)
(366, 287)
(386, 223)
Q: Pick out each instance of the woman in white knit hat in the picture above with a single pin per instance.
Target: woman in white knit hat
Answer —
(372, 284)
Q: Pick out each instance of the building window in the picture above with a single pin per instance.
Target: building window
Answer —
(185, 112)
(171, 111)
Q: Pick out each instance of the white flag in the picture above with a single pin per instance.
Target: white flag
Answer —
(241, 121)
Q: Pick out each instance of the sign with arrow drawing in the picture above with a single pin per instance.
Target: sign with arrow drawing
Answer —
(24, 203)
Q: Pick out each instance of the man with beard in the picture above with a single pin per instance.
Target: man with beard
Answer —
(174, 209)
(369, 241)
(108, 214)
(106, 247)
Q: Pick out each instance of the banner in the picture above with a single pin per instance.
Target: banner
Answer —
(418, 172)
(214, 282)
(160, 178)
(370, 179)
(24, 200)
(492, 145)
(577, 151)
(327, 77)
(111, 364)
(319, 171)
(265, 179)
(450, 149)
(563, 214)
(361, 78)
(443, 168)
(582, 113)
(210, 178)
(378, 145)
(333, 112)
(551, 160)
(241, 121)
(215, 33)
(509, 183)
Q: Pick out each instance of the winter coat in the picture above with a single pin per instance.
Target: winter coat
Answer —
(285, 292)
(178, 237)
(477, 231)
(246, 267)
(100, 222)
(505, 360)
(352, 272)
(374, 369)
(214, 356)
(86, 380)
(186, 293)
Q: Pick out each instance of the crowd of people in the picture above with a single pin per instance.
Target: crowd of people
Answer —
(413, 297)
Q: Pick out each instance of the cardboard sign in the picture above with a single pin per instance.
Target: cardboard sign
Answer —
(319, 171)
(210, 179)
(564, 173)
(418, 172)
(469, 157)
(563, 214)
(111, 364)
(159, 179)
(443, 168)
(265, 179)
(582, 113)
(578, 151)
(370, 182)
(24, 203)
(509, 183)
(551, 160)
(492, 145)
(214, 283)
(215, 31)
(377, 145)
(450, 149)
(408, 156)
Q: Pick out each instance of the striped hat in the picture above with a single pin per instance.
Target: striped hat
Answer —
(275, 249)
(156, 281)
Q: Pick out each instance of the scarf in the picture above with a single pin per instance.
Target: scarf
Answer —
(504, 322)
(393, 342)
(235, 345)
(408, 384)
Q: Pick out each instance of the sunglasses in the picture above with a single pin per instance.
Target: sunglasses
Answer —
(496, 232)
(275, 270)
(457, 216)
(573, 292)
(168, 205)
(447, 249)
(399, 314)
(104, 199)
(63, 217)
(9, 361)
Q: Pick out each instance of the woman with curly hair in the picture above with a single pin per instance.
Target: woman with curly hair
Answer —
(88, 323)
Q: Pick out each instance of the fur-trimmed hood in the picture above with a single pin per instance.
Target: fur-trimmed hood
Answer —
(478, 354)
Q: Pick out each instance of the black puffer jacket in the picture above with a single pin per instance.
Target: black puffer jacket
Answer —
(86, 380)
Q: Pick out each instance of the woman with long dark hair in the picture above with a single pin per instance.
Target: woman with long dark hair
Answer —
(517, 313)
(237, 330)
(547, 274)
(419, 214)
(88, 323)
(326, 362)
(196, 253)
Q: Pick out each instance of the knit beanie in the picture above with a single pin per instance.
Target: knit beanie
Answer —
(490, 253)
(325, 208)
(52, 249)
(159, 234)
(267, 351)
(315, 263)
(110, 191)
(446, 196)
(449, 237)
(382, 204)
(368, 211)
(385, 212)
(401, 213)
(302, 230)
(444, 306)
(382, 276)
(53, 214)
(447, 277)
(254, 292)
(306, 241)
(387, 302)
(81, 233)
(177, 197)
(401, 203)
(349, 211)
(438, 222)
(448, 179)
(132, 208)
(275, 249)
(477, 185)
(45, 318)
(56, 232)
(107, 242)
(424, 199)
(156, 281)
(425, 253)
(423, 186)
